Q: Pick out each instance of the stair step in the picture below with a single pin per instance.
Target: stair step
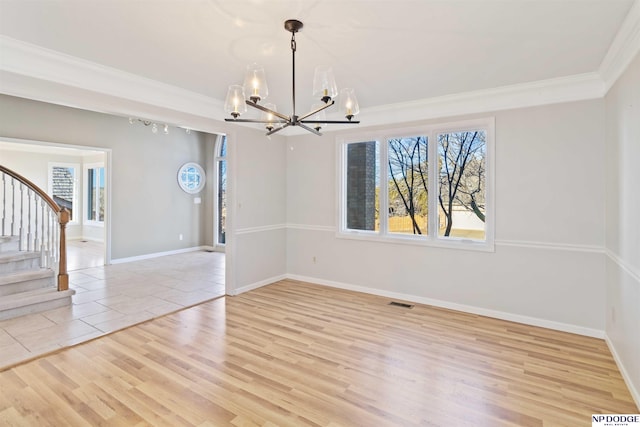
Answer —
(13, 283)
(33, 302)
(14, 261)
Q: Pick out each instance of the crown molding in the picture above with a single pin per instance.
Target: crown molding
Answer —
(33, 72)
(552, 91)
(579, 87)
(25, 62)
(623, 49)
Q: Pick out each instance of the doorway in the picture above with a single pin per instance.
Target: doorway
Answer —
(82, 188)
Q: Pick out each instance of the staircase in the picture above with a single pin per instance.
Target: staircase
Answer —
(25, 287)
(33, 254)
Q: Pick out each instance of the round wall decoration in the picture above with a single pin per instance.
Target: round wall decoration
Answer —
(191, 177)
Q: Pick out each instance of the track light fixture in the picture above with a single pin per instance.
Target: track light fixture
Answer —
(255, 90)
(154, 125)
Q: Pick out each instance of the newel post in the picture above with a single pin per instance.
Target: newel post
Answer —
(63, 277)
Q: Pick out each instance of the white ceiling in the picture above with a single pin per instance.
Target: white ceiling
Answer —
(390, 51)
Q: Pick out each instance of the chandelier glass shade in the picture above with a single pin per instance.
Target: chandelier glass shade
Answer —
(234, 103)
(320, 117)
(255, 89)
(324, 84)
(255, 83)
(269, 116)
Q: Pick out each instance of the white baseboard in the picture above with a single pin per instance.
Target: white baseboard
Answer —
(635, 393)
(157, 255)
(533, 321)
(527, 320)
(257, 285)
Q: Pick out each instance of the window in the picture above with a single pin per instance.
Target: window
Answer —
(362, 203)
(221, 190)
(94, 185)
(191, 178)
(434, 185)
(407, 200)
(462, 184)
(63, 186)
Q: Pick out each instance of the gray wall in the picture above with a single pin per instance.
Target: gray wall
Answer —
(148, 209)
(548, 264)
(623, 223)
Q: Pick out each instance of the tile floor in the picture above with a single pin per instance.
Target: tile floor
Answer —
(84, 254)
(113, 297)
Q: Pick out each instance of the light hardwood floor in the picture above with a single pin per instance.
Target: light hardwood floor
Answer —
(294, 354)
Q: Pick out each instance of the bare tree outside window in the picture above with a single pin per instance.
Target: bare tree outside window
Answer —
(461, 187)
(408, 185)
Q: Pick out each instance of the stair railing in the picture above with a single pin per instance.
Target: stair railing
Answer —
(39, 222)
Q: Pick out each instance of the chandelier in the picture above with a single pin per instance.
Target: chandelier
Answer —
(324, 87)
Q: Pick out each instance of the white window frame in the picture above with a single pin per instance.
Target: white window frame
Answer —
(85, 198)
(431, 239)
(76, 190)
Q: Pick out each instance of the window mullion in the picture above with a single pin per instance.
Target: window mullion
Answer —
(343, 186)
(433, 186)
(384, 186)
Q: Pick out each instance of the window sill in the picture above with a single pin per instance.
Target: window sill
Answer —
(429, 241)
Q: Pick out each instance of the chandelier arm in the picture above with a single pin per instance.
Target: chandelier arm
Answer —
(333, 122)
(271, 132)
(312, 130)
(266, 110)
(316, 111)
(255, 121)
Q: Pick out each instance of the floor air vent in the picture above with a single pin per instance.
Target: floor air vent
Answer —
(400, 304)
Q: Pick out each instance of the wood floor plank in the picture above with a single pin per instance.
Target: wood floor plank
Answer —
(295, 354)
